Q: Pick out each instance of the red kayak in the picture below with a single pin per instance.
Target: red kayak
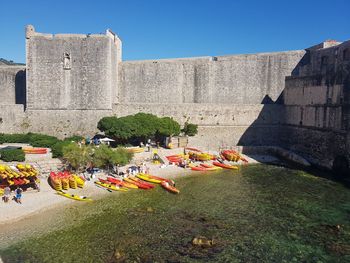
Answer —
(115, 181)
(104, 181)
(206, 165)
(162, 179)
(121, 183)
(141, 182)
(138, 184)
(197, 168)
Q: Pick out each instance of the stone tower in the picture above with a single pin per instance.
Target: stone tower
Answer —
(72, 71)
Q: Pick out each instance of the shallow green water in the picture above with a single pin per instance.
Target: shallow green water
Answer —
(258, 214)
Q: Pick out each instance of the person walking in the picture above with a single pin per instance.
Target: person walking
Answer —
(18, 195)
(7, 193)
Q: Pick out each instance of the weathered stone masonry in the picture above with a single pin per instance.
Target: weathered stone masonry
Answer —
(74, 80)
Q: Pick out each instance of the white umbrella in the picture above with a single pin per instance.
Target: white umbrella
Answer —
(107, 140)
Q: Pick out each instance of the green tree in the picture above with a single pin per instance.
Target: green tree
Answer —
(138, 127)
(168, 127)
(78, 157)
(190, 129)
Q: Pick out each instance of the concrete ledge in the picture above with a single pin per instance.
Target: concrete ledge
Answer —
(275, 151)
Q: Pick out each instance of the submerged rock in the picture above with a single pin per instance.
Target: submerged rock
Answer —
(150, 210)
(118, 256)
(201, 247)
(202, 241)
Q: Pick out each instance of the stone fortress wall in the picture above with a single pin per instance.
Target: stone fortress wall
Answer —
(317, 104)
(241, 79)
(291, 99)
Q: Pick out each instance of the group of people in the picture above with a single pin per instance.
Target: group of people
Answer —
(88, 141)
(133, 170)
(17, 197)
(149, 144)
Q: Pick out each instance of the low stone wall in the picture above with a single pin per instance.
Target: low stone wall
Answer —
(64, 123)
(318, 146)
(12, 118)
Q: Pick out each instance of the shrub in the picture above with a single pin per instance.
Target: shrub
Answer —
(57, 148)
(47, 143)
(123, 157)
(190, 129)
(78, 157)
(14, 138)
(35, 139)
(75, 138)
(12, 155)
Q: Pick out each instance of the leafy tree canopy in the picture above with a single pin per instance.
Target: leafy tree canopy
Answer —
(138, 127)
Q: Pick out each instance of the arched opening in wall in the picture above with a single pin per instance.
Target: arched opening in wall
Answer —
(346, 54)
(341, 167)
(20, 88)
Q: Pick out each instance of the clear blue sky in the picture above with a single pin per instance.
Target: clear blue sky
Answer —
(153, 29)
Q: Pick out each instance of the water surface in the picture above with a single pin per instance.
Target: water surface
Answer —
(258, 214)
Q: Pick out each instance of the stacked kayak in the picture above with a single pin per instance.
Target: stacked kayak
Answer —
(201, 156)
(72, 182)
(19, 175)
(231, 155)
(177, 158)
(74, 197)
(55, 181)
(65, 180)
(31, 150)
(27, 169)
(80, 181)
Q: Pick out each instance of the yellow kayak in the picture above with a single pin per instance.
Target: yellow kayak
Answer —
(135, 149)
(145, 177)
(111, 187)
(79, 180)
(74, 197)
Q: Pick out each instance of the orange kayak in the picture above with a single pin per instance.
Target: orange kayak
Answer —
(34, 150)
(169, 188)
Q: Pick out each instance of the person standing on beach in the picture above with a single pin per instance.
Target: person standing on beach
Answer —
(18, 196)
(7, 193)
